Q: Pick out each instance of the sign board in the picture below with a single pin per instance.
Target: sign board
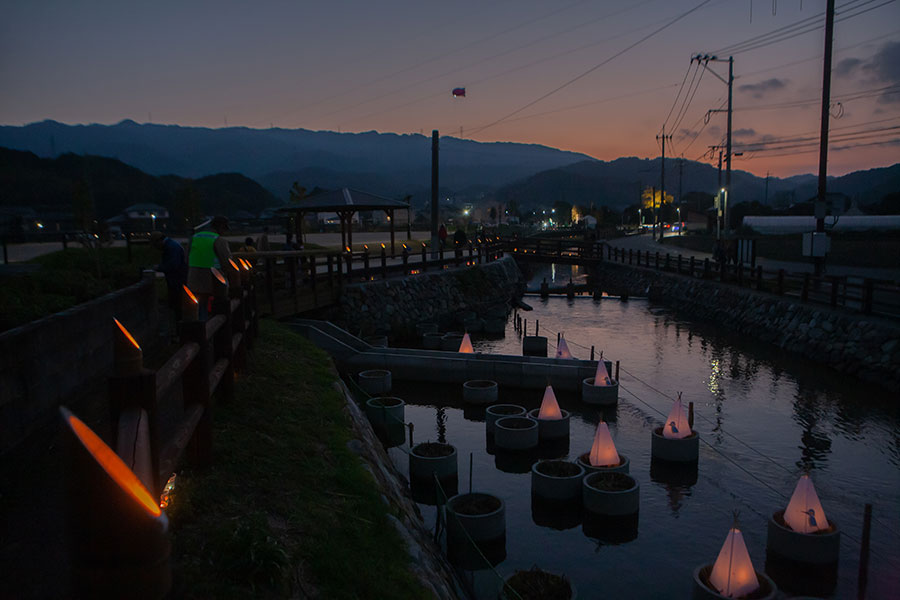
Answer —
(816, 244)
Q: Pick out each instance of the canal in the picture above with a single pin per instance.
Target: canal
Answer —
(764, 418)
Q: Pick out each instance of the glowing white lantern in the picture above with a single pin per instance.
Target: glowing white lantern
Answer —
(603, 450)
(466, 345)
(549, 406)
(676, 426)
(601, 377)
(562, 349)
(733, 574)
(804, 513)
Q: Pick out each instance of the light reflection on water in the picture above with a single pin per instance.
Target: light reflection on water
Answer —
(767, 416)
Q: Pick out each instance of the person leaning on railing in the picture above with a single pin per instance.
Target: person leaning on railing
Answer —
(208, 250)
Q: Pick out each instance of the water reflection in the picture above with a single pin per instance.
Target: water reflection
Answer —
(555, 514)
(815, 445)
(676, 478)
(610, 531)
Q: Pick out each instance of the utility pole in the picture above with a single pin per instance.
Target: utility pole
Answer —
(766, 201)
(823, 144)
(662, 180)
(703, 61)
(434, 193)
(680, 176)
(653, 200)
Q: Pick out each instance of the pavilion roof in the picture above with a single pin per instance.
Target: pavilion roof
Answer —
(343, 200)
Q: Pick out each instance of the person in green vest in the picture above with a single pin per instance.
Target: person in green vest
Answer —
(208, 250)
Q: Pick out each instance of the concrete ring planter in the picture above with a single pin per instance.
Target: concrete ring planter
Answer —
(481, 516)
(599, 395)
(480, 391)
(450, 342)
(551, 429)
(549, 480)
(585, 461)
(704, 591)
(385, 410)
(675, 450)
(377, 341)
(599, 500)
(525, 584)
(430, 458)
(432, 341)
(822, 548)
(534, 345)
(516, 433)
(375, 382)
(498, 411)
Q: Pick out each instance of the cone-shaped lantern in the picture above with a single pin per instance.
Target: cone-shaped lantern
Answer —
(603, 450)
(465, 345)
(601, 377)
(733, 575)
(549, 406)
(804, 513)
(676, 426)
(127, 353)
(562, 349)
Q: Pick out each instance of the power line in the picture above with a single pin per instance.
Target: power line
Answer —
(675, 102)
(594, 68)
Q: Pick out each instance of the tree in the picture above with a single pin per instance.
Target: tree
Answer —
(298, 192)
(187, 203)
(492, 214)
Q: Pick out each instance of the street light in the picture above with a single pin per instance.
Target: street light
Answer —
(152, 221)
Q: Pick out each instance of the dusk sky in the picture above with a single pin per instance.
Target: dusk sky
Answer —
(390, 66)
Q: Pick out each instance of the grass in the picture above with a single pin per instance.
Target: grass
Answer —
(286, 510)
(66, 278)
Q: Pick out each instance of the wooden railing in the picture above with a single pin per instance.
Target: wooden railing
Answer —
(175, 401)
(296, 281)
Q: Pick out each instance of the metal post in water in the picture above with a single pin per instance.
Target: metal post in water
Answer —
(690, 415)
(864, 554)
(470, 471)
(617, 370)
(537, 327)
(592, 353)
(411, 426)
(525, 327)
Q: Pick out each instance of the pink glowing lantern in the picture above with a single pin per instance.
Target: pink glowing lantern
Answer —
(601, 377)
(676, 426)
(804, 513)
(603, 450)
(562, 349)
(466, 345)
(733, 575)
(549, 406)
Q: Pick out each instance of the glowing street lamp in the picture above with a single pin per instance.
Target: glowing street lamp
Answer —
(152, 221)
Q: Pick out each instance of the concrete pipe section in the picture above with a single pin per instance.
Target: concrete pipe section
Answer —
(431, 458)
(551, 429)
(515, 433)
(498, 411)
(599, 395)
(534, 345)
(611, 494)
(585, 461)
(481, 516)
(451, 341)
(704, 591)
(376, 382)
(820, 548)
(385, 410)
(557, 480)
(480, 391)
(682, 450)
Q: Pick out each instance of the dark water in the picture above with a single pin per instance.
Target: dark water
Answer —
(763, 417)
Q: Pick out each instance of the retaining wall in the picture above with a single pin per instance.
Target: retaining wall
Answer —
(396, 306)
(56, 359)
(426, 561)
(864, 346)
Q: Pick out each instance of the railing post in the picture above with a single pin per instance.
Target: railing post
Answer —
(383, 262)
(406, 260)
(366, 262)
(349, 258)
(424, 257)
(868, 296)
(471, 254)
(667, 267)
(639, 258)
(706, 268)
(759, 277)
(329, 261)
(629, 256)
(780, 285)
(313, 273)
(222, 346)
(691, 266)
(290, 264)
(678, 265)
(804, 293)
(137, 390)
(657, 260)
(270, 283)
(195, 389)
(835, 282)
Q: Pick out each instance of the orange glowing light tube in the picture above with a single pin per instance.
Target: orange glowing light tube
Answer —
(218, 275)
(112, 464)
(127, 334)
(549, 406)
(233, 265)
(245, 264)
(190, 295)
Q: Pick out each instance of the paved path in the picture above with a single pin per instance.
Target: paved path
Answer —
(644, 242)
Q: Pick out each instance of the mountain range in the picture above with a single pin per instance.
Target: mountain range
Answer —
(396, 166)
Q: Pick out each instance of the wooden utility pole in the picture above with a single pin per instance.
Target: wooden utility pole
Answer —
(823, 144)
(435, 242)
(662, 180)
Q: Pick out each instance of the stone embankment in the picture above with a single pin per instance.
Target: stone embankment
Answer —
(447, 298)
(864, 346)
(426, 561)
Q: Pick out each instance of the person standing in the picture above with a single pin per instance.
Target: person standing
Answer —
(442, 235)
(208, 250)
(175, 268)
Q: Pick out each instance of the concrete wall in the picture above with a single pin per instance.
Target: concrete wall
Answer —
(57, 359)
(864, 346)
(397, 305)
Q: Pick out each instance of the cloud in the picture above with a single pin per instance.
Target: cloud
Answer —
(745, 132)
(847, 67)
(758, 90)
(714, 130)
(884, 67)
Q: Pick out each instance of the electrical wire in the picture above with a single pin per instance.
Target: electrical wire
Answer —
(680, 89)
(594, 68)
